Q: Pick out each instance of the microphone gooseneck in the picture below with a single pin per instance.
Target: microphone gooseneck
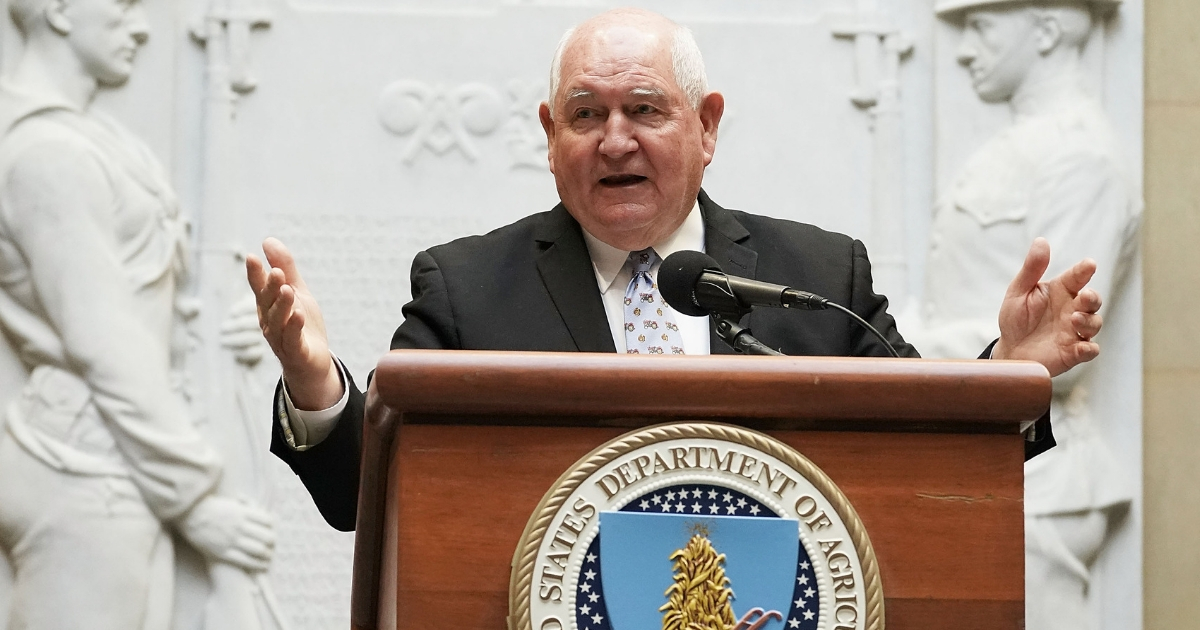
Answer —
(693, 283)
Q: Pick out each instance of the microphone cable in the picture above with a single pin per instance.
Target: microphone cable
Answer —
(862, 322)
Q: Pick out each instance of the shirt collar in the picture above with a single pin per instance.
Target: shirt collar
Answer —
(607, 261)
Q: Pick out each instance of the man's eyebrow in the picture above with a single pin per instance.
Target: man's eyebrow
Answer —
(578, 93)
(648, 92)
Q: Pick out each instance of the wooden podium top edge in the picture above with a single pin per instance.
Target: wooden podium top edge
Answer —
(595, 384)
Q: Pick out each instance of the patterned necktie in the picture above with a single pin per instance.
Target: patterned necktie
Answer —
(650, 326)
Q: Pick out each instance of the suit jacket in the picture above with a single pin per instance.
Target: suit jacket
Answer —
(530, 286)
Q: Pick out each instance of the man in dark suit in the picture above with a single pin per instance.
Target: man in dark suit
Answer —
(630, 128)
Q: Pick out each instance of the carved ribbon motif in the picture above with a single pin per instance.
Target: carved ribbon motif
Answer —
(440, 118)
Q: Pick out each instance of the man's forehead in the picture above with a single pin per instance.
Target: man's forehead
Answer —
(618, 49)
(625, 41)
(622, 70)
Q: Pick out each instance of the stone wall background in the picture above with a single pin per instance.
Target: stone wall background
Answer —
(327, 157)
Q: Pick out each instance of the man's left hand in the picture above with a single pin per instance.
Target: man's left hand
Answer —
(1050, 322)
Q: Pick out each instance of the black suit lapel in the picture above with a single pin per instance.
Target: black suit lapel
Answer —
(724, 240)
(566, 270)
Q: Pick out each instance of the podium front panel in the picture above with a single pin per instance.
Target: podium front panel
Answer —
(944, 512)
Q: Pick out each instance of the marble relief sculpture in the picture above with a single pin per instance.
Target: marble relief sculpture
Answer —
(100, 461)
(1056, 172)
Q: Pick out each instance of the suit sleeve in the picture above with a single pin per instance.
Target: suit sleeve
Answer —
(429, 317)
(872, 307)
(1039, 438)
(330, 470)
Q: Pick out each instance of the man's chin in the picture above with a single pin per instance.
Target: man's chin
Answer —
(624, 218)
(989, 93)
(615, 223)
(608, 203)
(112, 80)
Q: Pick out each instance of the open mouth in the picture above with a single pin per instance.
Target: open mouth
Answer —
(618, 181)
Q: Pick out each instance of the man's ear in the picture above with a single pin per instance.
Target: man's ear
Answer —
(711, 110)
(1048, 33)
(56, 16)
(548, 127)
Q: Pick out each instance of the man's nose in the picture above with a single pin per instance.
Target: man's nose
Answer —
(139, 25)
(967, 52)
(619, 137)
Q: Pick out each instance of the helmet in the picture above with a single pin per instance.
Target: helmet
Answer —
(954, 8)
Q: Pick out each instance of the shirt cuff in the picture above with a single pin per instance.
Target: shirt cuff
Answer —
(303, 429)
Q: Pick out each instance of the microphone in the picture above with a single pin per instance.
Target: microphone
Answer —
(693, 283)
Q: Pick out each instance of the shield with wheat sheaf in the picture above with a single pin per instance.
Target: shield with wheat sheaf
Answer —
(675, 572)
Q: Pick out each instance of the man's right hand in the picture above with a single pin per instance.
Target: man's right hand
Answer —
(292, 324)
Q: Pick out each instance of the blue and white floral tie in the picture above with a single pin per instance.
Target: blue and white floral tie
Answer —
(650, 326)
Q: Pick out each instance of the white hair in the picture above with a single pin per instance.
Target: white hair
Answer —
(687, 64)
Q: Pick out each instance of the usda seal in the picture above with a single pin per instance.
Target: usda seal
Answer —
(694, 527)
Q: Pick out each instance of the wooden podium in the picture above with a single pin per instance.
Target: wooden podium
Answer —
(459, 448)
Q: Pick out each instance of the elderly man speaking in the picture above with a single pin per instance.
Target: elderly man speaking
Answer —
(631, 127)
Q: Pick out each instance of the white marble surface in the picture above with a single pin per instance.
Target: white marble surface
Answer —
(324, 158)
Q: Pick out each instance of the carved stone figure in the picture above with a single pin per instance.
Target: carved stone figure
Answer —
(1056, 172)
(99, 459)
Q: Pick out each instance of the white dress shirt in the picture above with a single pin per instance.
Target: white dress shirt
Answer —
(305, 429)
(613, 274)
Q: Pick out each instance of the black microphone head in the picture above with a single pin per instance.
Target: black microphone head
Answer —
(677, 278)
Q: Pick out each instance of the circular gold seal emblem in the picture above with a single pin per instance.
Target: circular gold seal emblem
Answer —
(695, 526)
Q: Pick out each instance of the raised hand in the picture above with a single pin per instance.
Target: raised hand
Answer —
(1052, 322)
(231, 531)
(292, 324)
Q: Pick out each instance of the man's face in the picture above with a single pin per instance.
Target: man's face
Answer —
(105, 35)
(627, 150)
(998, 48)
